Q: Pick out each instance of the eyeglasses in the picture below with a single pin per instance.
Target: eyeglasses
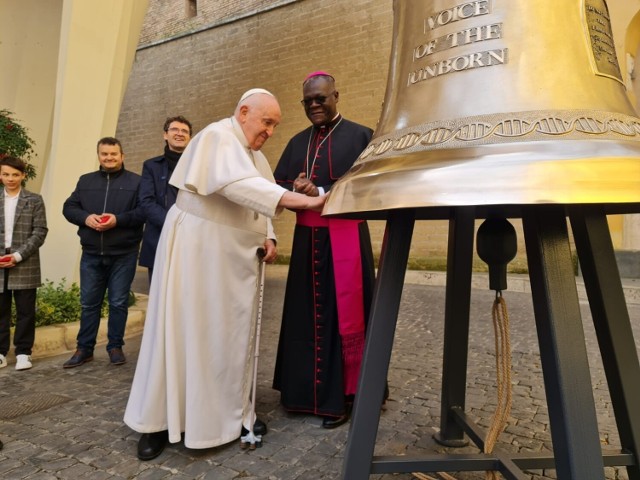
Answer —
(179, 130)
(320, 99)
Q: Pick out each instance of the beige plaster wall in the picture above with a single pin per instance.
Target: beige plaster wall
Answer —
(28, 60)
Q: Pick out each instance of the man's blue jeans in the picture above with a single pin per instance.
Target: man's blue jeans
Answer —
(100, 274)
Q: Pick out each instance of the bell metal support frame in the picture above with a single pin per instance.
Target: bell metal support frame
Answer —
(572, 415)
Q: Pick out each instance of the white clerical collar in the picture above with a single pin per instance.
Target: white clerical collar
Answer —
(331, 121)
(237, 129)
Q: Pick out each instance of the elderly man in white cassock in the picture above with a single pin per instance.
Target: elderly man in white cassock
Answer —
(193, 375)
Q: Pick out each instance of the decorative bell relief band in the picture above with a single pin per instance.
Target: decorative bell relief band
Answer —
(501, 128)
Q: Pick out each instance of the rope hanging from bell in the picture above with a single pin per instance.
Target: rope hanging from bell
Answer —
(496, 244)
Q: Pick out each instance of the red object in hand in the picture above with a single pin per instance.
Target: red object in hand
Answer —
(6, 258)
(104, 219)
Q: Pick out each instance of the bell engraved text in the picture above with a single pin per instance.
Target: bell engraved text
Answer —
(598, 24)
(465, 36)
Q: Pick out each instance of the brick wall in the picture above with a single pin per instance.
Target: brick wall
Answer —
(202, 75)
(169, 18)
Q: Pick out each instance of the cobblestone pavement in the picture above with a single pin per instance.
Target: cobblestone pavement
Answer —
(63, 424)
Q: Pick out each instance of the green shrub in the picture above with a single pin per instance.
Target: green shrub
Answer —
(16, 142)
(61, 304)
(57, 303)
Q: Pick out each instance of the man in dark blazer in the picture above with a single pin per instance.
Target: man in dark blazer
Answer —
(23, 228)
(156, 196)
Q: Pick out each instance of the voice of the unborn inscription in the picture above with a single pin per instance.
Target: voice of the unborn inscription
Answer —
(463, 37)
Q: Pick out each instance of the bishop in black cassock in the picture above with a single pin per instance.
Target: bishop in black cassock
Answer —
(331, 273)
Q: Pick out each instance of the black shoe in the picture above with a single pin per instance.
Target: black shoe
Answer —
(1, 445)
(79, 358)
(259, 428)
(116, 355)
(333, 422)
(151, 445)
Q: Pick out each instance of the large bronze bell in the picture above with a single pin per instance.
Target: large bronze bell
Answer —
(493, 102)
(501, 109)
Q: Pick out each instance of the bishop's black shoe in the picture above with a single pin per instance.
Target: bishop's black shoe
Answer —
(151, 445)
(333, 422)
(259, 428)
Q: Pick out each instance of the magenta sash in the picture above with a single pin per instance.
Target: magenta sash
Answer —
(347, 268)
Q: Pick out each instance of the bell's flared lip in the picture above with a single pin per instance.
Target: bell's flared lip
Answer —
(489, 177)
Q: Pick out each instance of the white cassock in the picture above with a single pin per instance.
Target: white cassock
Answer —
(194, 371)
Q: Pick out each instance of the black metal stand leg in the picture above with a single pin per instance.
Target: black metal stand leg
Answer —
(572, 415)
(456, 325)
(612, 324)
(380, 334)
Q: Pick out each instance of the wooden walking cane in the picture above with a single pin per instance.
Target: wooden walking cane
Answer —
(251, 440)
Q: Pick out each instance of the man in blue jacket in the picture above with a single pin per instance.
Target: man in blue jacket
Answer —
(105, 208)
(156, 196)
